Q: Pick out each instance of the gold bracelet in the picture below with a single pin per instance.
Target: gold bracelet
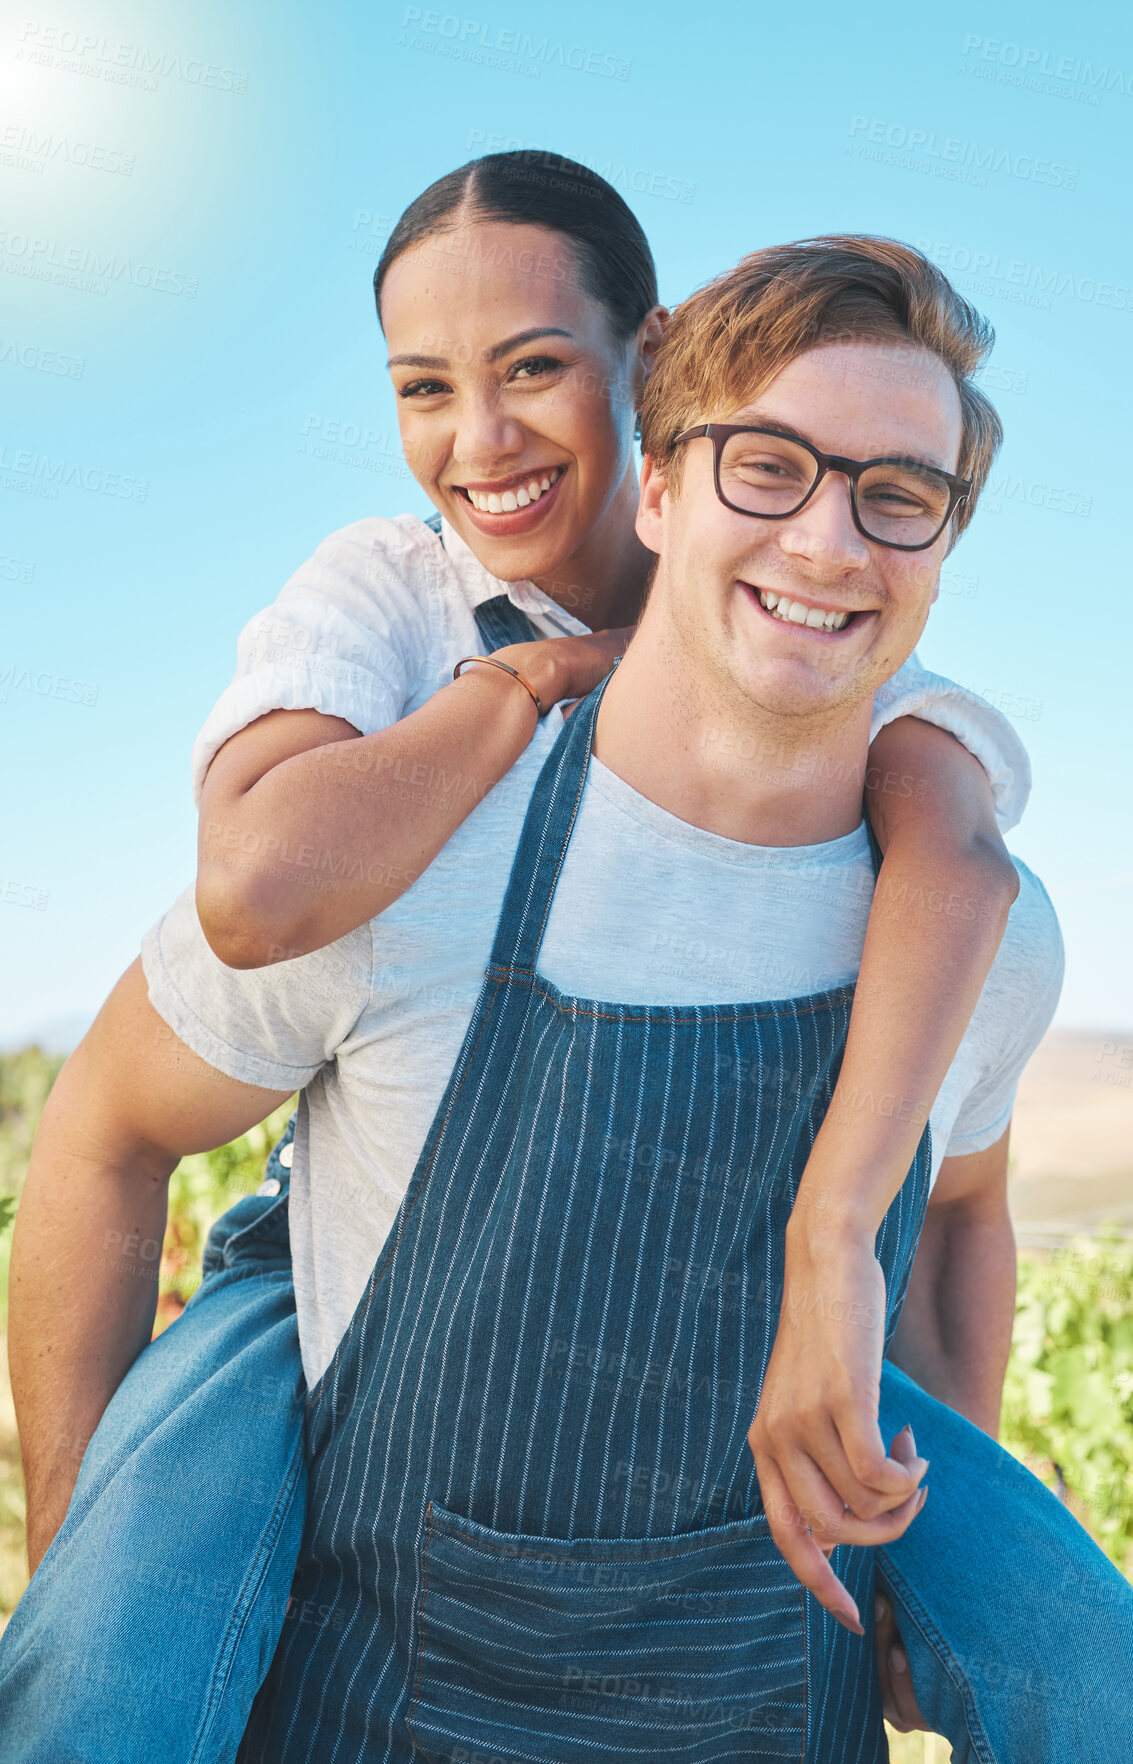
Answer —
(514, 672)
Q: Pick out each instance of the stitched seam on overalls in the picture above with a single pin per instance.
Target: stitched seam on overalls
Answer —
(710, 1542)
(976, 1732)
(806, 1669)
(421, 1634)
(410, 1202)
(528, 977)
(501, 1549)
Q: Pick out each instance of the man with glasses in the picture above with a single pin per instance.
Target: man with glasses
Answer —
(770, 473)
(537, 1528)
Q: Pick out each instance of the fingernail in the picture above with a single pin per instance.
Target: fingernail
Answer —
(898, 1660)
(879, 1610)
(923, 1499)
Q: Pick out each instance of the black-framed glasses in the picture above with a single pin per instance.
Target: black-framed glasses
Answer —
(897, 502)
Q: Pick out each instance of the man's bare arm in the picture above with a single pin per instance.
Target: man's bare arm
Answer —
(129, 1103)
(954, 1336)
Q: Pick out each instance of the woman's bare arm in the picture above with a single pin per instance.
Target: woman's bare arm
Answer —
(939, 912)
(308, 829)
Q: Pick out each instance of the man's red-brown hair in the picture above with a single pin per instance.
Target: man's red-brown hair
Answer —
(732, 337)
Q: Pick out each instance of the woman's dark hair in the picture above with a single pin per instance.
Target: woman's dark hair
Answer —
(534, 188)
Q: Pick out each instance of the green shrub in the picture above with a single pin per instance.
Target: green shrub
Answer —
(202, 1188)
(1068, 1399)
(25, 1079)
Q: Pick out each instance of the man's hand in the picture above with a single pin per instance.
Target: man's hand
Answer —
(899, 1703)
(822, 1467)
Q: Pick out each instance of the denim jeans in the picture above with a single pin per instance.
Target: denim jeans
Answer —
(154, 1616)
(156, 1610)
(1019, 1630)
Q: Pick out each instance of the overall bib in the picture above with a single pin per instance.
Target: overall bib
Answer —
(534, 1529)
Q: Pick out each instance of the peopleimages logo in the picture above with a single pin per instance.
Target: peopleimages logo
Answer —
(1027, 62)
(37, 474)
(24, 894)
(82, 267)
(134, 64)
(944, 152)
(640, 180)
(1013, 278)
(20, 677)
(26, 148)
(471, 40)
(39, 360)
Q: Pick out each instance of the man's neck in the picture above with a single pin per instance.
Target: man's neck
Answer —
(727, 765)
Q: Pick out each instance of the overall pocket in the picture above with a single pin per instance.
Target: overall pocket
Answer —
(686, 1647)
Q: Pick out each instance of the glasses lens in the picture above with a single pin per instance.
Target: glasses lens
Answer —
(902, 504)
(765, 474)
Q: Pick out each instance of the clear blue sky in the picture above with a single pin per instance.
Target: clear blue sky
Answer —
(191, 203)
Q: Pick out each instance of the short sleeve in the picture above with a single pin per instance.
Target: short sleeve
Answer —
(1013, 1014)
(348, 636)
(275, 1026)
(915, 692)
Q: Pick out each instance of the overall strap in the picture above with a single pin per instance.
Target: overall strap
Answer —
(547, 828)
(498, 620)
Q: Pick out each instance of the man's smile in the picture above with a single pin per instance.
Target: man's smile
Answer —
(814, 617)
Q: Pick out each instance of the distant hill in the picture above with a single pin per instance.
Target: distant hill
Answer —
(1072, 1137)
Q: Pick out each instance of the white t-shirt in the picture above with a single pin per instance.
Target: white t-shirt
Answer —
(370, 1027)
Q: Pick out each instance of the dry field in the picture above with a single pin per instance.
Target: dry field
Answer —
(1072, 1137)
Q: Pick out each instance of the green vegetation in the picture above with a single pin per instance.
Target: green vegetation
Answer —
(200, 1190)
(25, 1079)
(917, 1748)
(1068, 1400)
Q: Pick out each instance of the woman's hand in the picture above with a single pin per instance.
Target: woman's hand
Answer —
(822, 1467)
(563, 668)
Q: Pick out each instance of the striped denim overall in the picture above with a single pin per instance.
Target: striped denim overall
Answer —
(535, 1530)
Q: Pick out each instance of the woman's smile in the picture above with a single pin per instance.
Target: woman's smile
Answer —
(514, 504)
